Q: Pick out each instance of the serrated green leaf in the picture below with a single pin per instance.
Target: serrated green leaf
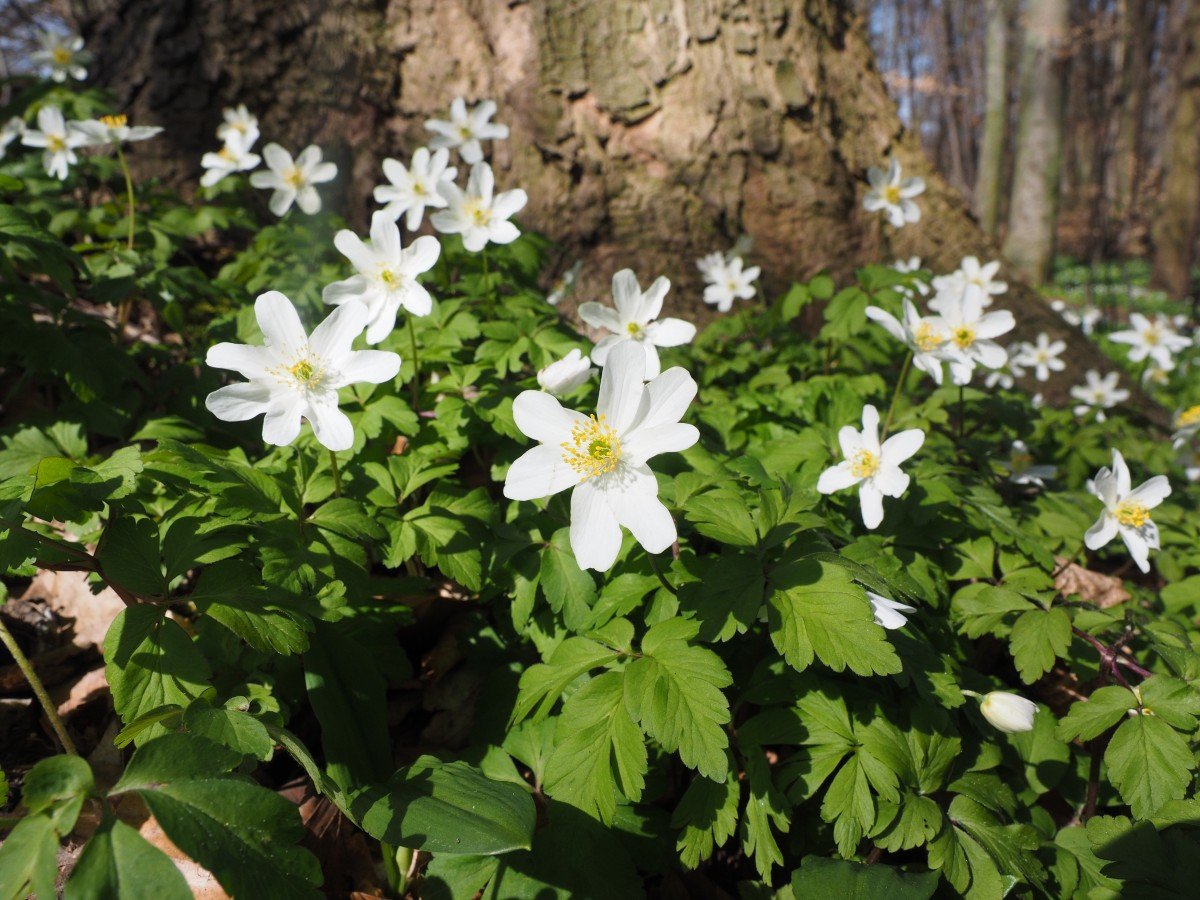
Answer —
(1038, 638)
(1149, 762)
(707, 815)
(1090, 718)
(841, 878)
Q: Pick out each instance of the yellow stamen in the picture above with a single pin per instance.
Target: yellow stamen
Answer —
(964, 336)
(114, 121)
(1152, 336)
(1020, 462)
(1189, 416)
(891, 194)
(594, 448)
(926, 337)
(418, 189)
(294, 177)
(55, 144)
(863, 463)
(389, 278)
(61, 55)
(464, 132)
(1132, 513)
(477, 213)
(306, 373)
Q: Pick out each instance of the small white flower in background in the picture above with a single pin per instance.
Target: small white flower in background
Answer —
(907, 267)
(889, 613)
(973, 332)
(63, 55)
(239, 122)
(893, 194)
(874, 467)
(466, 129)
(1010, 713)
(1006, 376)
(565, 285)
(925, 336)
(711, 265)
(1187, 423)
(603, 457)
(386, 276)
(410, 190)
(294, 376)
(478, 214)
(1084, 319)
(1037, 401)
(1022, 469)
(113, 130)
(1098, 394)
(1043, 356)
(294, 181)
(1126, 511)
(234, 156)
(1189, 458)
(633, 320)
(563, 376)
(11, 130)
(1154, 339)
(1156, 374)
(970, 272)
(729, 282)
(58, 141)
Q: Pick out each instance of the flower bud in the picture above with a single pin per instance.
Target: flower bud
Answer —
(1008, 712)
(564, 376)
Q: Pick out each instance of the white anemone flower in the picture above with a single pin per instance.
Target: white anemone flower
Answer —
(466, 129)
(565, 285)
(1154, 374)
(633, 321)
(1189, 458)
(1098, 394)
(9, 132)
(239, 122)
(603, 457)
(234, 156)
(564, 375)
(478, 214)
(1006, 376)
(732, 282)
(1010, 713)
(1043, 356)
(62, 55)
(1084, 319)
(972, 333)
(1023, 470)
(386, 276)
(1126, 511)
(874, 467)
(711, 265)
(889, 613)
(294, 375)
(294, 181)
(971, 272)
(58, 140)
(1151, 338)
(908, 267)
(410, 190)
(893, 194)
(112, 130)
(1187, 423)
(925, 336)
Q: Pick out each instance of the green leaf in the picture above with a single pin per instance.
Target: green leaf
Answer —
(541, 685)
(232, 728)
(982, 608)
(569, 590)
(119, 862)
(1173, 700)
(243, 833)
(674, 692)
(599, 750)
(1150, 763)
(151, 662)
(29, 859)
(1090, 718)
(817, 611)
(347, 518)
(727, 596)
(130, 555)
(447, 808)
(723, 516)
(55, 780)
(707, 813)
(766, 809)
(1038, 638)
(842, 878)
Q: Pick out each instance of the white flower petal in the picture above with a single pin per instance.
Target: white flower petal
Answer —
(622, 385)
(539, 472)
(239, 402)
(595, 532)
(541, 417)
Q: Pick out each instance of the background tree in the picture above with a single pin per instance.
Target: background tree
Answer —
(646, 134)
(989, 180)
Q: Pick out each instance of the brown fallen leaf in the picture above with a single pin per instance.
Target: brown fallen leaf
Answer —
(82, 692)
(201, 881)
(1096, 588)
(68, 595)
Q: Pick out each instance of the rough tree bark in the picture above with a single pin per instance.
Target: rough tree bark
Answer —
(995, 117)
(1033, 206)
(1177, 224)
(646, 132)
(1137, 47)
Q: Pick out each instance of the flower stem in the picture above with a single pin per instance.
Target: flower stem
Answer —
(659, 572)
(128, 194)
(337, 474)
(887, 423)
(961, 416)
(416, 360)
(39, 689)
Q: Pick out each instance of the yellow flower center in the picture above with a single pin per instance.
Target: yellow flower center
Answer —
(114, 121)
(294, 177)
(418, 189)
(891, 194)
(1132, 513)
(61, 55)
(1189, 416)
(55, 144)
(964, 336)
(863, 463)
(1020, 462)
(306, 373)
(594, 448)
(1151, 336)
(477, 213)
(225, 153)
(464, 132)
(389, 278)
(635, 331)
(926, 337)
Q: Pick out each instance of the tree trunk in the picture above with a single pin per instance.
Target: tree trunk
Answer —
(1033, 206)
(1133, 99)
(995, 117)
(646, 132)
(1175, 226)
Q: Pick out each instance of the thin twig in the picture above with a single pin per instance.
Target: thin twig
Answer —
(39, 689)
